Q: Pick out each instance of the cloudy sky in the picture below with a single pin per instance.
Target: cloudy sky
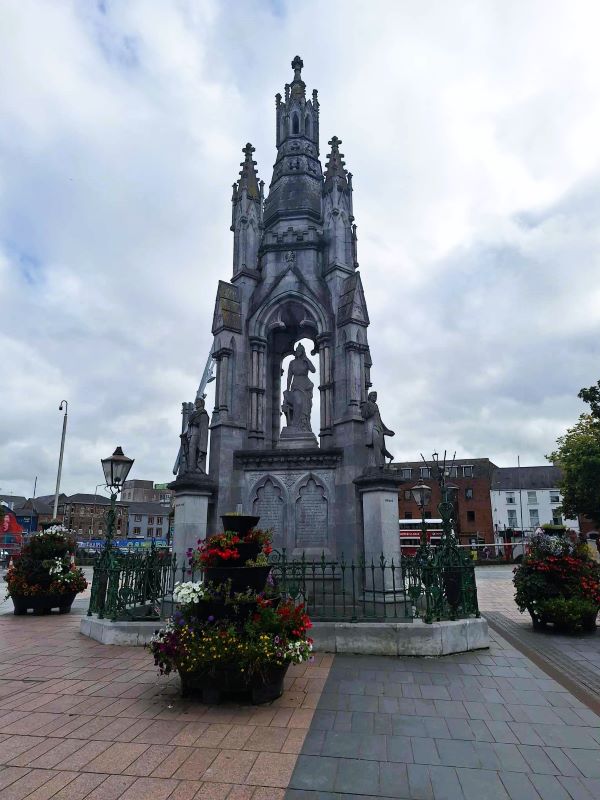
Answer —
(472, 130)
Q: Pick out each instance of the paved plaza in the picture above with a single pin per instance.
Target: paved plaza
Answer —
(83, 720)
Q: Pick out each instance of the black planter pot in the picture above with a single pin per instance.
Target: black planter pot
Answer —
(239, 523)
(242, 578)
(44, 603)
(247, 550)
(212, 688)
(218, 610)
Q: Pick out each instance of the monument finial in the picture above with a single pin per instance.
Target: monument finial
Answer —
(297, 65)
(335, 167)
(248, 178)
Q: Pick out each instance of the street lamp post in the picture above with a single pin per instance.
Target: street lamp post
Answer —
(116, 469)
(60, 458)
(422, 495)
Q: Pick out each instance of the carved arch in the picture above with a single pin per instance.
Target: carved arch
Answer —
(260, 324)
(295, 122)
(260, 485)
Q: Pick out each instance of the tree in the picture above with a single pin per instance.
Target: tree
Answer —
(591, 396)
(578, 456)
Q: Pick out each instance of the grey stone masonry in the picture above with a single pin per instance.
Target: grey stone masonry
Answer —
(294, 278)
(476, 726)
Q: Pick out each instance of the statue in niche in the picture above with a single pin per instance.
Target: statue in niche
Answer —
(194, 441)
(375, 432)
(297, 398)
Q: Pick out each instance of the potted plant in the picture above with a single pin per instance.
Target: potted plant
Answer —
(239, 523)
(224, 656)
(558, 583)
(229, 557)
(43, 576)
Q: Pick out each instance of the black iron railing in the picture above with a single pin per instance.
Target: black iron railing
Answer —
(433, 585)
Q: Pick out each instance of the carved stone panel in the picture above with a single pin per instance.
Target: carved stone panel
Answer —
(311, 516)
(269, 506)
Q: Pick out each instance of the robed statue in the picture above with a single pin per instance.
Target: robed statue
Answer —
(375, 432)
(194, 439)
(297, 397)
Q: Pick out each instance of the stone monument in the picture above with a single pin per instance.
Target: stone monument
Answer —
(295, 277)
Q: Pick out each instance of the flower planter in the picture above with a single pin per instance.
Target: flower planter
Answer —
(239, 523)
(242, 578)
(587, 623)
(213, 687)
(43, 603)
(247, 550)
(205, 609)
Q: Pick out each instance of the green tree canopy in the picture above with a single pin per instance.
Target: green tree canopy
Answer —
(578, 455)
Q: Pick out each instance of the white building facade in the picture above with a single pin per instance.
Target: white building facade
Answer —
(523, 498)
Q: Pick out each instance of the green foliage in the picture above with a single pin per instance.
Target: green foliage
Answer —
(568, 614)
(591, 396)
(578, 455)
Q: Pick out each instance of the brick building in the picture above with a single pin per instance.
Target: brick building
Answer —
(84, 514)
(473, 479)
(139, 491)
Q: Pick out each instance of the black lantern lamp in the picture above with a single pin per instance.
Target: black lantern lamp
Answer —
(422, 495)
(116, 469)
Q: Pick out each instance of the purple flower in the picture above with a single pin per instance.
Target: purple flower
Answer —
(311, 659)
(211, 618)
(277, 640)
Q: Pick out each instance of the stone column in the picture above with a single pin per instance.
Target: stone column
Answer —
(381, 532)
(222, 391)
(256, 385)
(325, 388)
(355, 373)
(193, 493)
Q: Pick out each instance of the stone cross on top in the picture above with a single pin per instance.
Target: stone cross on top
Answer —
(297, 65)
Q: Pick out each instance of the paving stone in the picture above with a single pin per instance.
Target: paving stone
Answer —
(587, 761)
(313, 772)
(549, 788)
(419, 781)
(445, 783)
(478, 783)
(393, 780)
(357, 776)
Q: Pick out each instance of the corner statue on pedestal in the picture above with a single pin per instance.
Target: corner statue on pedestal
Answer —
(297, 398)
(375, 432)
(194, 440)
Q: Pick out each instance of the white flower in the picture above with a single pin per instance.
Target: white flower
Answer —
(188, 592)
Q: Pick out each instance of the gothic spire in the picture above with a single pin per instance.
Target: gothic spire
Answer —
(248, 179)
(298, 87)
(335, 167)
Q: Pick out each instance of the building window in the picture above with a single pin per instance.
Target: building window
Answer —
(407, 494)
(159, 520)
(534, 517)
(510, 498)
(159, 531)
(468, 471)
(137, 518)
(150, 520)
(452, 472)
(406, 473)
(150, 532)
(532, 498)
(408, 515)
(136, 531)
(554, 497)
(470, 516)
(425, 472)
(512, 518)
(556, 517)
(469, 493)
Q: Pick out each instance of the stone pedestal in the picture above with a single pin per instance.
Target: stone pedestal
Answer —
(379, 493)
(193, 493)
(298, 440)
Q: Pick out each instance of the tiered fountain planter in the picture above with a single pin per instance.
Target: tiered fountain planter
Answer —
(42, 578)
(231, 633)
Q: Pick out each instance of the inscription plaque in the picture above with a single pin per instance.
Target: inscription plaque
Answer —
(268, 505)
(311, 516)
